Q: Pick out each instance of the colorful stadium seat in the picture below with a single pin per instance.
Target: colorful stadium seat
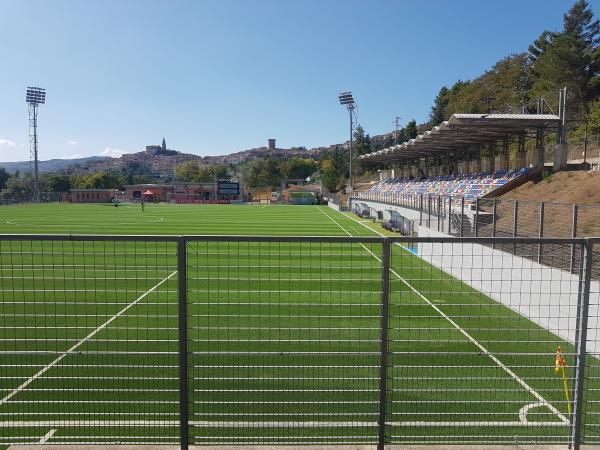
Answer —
(468, 186)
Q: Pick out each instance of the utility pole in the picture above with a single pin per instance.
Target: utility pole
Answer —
(397, 122)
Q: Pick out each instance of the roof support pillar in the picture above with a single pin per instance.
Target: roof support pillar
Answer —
(539, 148)
(455, 165)
(521, 153)
(477, 159)
(562, 148)
(492, 157)
(505, 154)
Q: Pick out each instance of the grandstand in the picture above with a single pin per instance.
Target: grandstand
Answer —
(470, 187)
(458, 145)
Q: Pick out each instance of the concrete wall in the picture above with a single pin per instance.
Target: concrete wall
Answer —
(406, 212)
(545, 295)
(333, 206)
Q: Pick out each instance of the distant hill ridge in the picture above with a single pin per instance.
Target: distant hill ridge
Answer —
(161, 162)
(51, 165)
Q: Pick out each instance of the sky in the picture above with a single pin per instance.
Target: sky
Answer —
(215, 77)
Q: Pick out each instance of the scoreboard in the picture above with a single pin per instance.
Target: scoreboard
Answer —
(229, 188)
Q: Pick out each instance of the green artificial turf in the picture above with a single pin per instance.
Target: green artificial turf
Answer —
(283, 338)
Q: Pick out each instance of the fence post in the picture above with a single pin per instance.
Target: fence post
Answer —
(540, 232)
(429, 211)
(421, 209)
(476, 216)
(462, 215)
(449, 214)
(494, 209)
(515, 221)
(439, 212)
(573, 235)
(383, 342)
(183, 352)
(581, 327)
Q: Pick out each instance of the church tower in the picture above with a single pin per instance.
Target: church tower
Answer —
(164, 145)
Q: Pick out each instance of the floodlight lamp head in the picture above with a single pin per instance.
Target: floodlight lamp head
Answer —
(346, 99)
(35, 95)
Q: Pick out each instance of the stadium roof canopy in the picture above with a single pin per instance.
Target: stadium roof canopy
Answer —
(462, 131)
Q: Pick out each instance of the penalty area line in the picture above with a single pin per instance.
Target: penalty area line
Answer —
(43, 370)
(471, 339)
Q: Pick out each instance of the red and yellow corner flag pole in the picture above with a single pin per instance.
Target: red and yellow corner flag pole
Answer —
(560, 365)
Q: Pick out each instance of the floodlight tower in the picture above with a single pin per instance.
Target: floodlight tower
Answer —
(35, 96)
(347, 100)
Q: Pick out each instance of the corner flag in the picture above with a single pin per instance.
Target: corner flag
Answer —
(559, 365)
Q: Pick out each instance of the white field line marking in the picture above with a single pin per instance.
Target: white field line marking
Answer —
(47, 436)
(484, 350)
(525, 409)
(262, 424)
(82, 341)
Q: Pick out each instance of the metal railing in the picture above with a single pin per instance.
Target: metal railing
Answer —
(496, 217)
(294, 340)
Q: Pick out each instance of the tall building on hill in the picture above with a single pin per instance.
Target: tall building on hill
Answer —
(153, 149)
(157, 149)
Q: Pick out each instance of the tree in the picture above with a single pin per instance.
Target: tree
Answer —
(187, 171)
(4, 176)
(438, 110)
(362, 142)
(570, 58)
(105, 180)
(220, 171)
(262, 172)
(579, 22)
(331, 179)
(410, 131)
(19, 188)
(506, 83)
(57, 183)
(298, 168)
(99, 180)
(136, 179)
(190, 171)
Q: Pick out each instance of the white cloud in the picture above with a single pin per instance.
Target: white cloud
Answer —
(75, 156)
(72, 142)
(7, 143)
(113, 152)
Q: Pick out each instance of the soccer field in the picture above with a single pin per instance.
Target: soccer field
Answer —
(283, 336)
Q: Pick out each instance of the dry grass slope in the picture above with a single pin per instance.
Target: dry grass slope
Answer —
(564, 187)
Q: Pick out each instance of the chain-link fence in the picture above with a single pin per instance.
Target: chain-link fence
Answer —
(308, 340)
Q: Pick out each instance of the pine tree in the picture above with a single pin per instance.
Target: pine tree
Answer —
(410, 131)
(438, 110)
(579, 23)
(570, 58)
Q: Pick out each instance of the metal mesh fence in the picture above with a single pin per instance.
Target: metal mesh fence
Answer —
(247, 340)
(88, 340)
(591, 399)
(473, 339)
(497, 217)
(284, 342)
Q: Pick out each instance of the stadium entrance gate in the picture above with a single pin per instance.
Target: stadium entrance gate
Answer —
(295, 340)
